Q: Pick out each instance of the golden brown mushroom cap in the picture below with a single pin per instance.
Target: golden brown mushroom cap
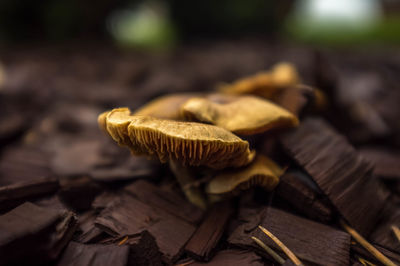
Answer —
(166, 107)
(261, 172)
(187, 142)
(246, 115)
(265, 84)
(101, 120)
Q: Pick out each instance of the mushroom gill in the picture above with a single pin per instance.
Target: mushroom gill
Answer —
(189, 143)
(246, 115)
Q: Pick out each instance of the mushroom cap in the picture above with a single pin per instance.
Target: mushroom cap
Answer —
(246, 115)
(265, 84)
(166, 107)
(187, 142)
(261, 172)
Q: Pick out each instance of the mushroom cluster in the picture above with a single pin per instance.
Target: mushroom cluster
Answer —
(201, 133)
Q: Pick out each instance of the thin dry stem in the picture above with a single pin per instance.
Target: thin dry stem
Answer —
(123, 241)
(365, 262)
(376, 253)
(396, 232)
(284, 248)
(270, 252)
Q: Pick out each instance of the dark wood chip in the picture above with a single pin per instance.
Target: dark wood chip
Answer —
(383, 233)
(342, 174)
(88, 232)
(386, 162)
(77, 157)
(78, 193)
(94, 255)
(128, 216)
(32, 234)
(145, 252)
(130, 168)
(204, 240)
(304, 197)
(20, 163)
(233, 257)
(311, 242)
(15, 194)
(165, 199)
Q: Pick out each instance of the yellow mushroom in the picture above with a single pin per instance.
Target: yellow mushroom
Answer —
(187, 142)
(166, 107)
(265, 84)
(245, 115)
(261, 172)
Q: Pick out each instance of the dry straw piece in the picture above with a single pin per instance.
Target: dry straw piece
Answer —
(376, 253)
(245, 115)
(186, 142)
(269, 250)
(261, 172)
(265, 84)
(284, 248)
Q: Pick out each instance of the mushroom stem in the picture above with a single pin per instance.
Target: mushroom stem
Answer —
(186, 180)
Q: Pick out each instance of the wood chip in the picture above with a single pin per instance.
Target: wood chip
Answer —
(204, 240)
(303, 197)
(342, 174)
(32, 234)
(15, 194)
(77, 254)
(232, 257)
(386, 162)
(129, 216)
(313, 243)
(165, 199)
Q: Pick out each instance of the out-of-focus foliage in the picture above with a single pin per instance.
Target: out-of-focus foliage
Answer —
(148, 27)
(342, 22)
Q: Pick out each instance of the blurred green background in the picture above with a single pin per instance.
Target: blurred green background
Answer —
(160, 24)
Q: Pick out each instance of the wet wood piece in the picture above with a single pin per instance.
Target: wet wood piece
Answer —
(303, 197)
(312, 242)
(128, 216)
(94, 255)
(386, 162)
(233, 257)
(204, 240)
(165, 199)
(32, 234)
(15, 194)
(341, 173)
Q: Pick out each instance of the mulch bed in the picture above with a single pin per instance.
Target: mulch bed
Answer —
(70, 196)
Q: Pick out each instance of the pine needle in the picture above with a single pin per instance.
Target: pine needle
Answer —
(270, 252)
(376, 253)
(396, 232)
(285, 249)
(123, 241)
(366, 262)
